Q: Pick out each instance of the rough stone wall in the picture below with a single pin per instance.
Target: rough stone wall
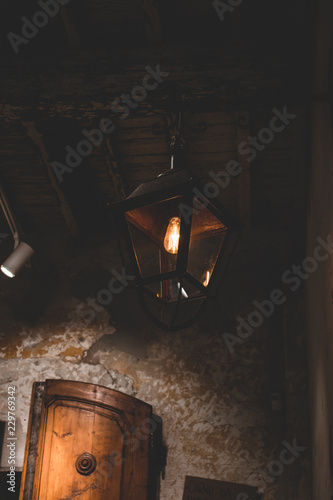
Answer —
(215, 405)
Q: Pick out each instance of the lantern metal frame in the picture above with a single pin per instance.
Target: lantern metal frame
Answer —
(177, 183)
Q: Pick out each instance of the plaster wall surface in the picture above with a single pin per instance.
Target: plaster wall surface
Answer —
(215, 405)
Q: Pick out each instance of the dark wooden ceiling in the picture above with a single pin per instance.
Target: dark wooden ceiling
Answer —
(221, 74)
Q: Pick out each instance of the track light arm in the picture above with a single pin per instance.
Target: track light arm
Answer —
(9, 217)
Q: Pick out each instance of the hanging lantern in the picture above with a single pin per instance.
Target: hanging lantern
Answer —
(179, 242)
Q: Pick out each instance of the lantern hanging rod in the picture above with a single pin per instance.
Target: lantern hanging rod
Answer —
(171, 128)
(176, 147)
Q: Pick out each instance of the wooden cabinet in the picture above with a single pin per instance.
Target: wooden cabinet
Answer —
(88, 442)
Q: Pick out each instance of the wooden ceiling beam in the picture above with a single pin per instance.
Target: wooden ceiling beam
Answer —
(74, 41)
(84, 84)
(44, 158)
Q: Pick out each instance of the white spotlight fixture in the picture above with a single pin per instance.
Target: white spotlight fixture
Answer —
(14, 263)
(22, 251)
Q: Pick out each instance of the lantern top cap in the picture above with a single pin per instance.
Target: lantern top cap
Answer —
(166, 180)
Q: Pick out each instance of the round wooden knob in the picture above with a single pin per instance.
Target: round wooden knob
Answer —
(86, 464)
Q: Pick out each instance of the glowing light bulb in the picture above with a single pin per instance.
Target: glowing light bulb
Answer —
(207, 278)
(171, 239)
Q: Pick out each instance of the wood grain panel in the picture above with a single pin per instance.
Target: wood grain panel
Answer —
(77, 419)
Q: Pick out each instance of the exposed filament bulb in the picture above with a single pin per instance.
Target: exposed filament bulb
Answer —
(207, 278)
(171, 239)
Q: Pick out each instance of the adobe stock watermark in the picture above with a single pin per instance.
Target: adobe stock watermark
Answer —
(83, 148)
(95, 136)
(40, 19)
(104, 297)
(287, 456)
(293, 277)
(139, 93)
(224, 7)
(249, 147)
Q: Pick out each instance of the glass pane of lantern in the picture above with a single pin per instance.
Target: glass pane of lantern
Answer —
(168, 290)
(207, 236)
(154, 231)
(146, 251)
(191, 291)
(170, 313)
(155, 288)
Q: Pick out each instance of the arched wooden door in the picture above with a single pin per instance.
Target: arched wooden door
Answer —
(86, 442)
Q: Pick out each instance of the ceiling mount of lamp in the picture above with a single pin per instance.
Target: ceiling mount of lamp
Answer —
(22, 252)
(179, 242)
